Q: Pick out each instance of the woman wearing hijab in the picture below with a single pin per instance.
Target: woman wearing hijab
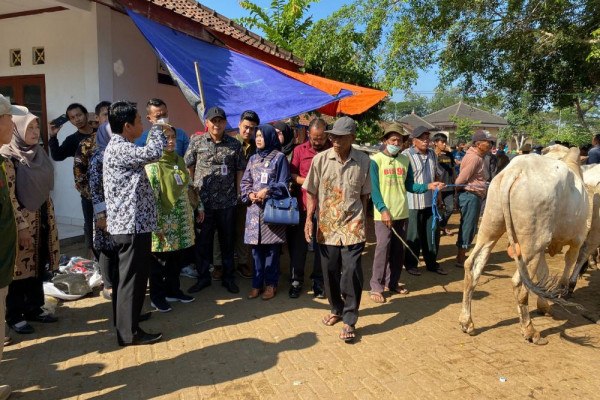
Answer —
(267, 174)
(169, 179)
(30, 178)
(286, 138)
(103, 243)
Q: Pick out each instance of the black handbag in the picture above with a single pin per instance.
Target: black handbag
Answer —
(283, 211)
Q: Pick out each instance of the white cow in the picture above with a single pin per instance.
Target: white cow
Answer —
(591, 178)
(542, 204)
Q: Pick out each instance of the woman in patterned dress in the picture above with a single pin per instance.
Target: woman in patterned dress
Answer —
(175, 228)
(30, 178)
(267, 174)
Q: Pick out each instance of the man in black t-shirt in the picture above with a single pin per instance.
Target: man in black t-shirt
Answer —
(78, 116)
(447, 175)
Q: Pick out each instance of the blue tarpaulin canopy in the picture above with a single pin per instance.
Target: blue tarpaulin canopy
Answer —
(230, 80)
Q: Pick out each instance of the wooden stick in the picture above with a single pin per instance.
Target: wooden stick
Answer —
(199, 80)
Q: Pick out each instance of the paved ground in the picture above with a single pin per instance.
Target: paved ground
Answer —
(224, 346)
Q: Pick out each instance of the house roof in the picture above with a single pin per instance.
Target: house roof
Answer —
(463, 110)
(218, 24)
(413, 120)
(304, 119)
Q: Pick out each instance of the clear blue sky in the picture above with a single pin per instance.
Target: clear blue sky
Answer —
(425, 85)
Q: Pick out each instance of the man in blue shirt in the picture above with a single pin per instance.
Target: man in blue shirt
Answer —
(158, 112)
(458, 155)
(594, 153)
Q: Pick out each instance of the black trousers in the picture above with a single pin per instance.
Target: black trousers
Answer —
(223, 221)
(343, 276)
(164, 274)
(130, 289)
(25, 299)
(87, 207)
(298, 247)
(109, 266)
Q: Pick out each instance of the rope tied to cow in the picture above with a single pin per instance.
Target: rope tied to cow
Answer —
(436, 215)
(434, 207)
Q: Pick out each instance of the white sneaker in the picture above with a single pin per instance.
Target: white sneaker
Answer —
(189, 271)
(5, 392)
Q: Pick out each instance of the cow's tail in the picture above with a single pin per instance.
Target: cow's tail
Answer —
(549, 289)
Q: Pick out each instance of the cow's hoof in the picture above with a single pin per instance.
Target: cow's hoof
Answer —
(468, 328)
(537, 339)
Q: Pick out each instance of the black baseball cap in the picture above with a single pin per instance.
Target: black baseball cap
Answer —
(214, 112)
(419, 130)
(481, 136)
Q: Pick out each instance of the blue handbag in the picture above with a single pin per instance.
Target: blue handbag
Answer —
(283, 211)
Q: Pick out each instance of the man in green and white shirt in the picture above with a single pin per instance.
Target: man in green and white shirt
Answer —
(391, 179)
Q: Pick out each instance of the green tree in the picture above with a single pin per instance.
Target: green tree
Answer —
(464, 128)
(545, 47)
(392, 110)
(330, 48)
(283, 22)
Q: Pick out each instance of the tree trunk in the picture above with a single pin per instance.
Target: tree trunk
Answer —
(580, 113)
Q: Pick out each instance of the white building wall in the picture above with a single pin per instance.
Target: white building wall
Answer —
(135, 75)
(90, 56)
(71, 75)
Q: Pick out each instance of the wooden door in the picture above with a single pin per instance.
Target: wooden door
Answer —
(28, 91)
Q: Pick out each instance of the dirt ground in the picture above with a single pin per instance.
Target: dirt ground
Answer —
(224, 346)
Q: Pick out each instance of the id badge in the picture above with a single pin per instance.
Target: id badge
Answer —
(223, 169)
(178, 179)
(264, 177)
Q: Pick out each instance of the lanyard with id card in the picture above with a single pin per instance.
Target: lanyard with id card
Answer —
(177, 176)
(264, 178)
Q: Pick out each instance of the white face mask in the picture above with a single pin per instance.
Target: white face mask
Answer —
(164, 120)
(393, 149)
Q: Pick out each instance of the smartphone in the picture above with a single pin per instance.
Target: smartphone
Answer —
(60, 121)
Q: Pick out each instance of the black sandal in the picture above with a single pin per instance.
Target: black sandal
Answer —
(348, 331)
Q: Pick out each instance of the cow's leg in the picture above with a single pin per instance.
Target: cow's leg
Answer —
(473, 268)
(522, 297)
(574, 263)
(542, 274)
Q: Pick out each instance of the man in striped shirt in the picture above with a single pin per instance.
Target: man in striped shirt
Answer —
(422, 233)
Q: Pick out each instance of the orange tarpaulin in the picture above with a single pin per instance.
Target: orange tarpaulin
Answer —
(362, 99)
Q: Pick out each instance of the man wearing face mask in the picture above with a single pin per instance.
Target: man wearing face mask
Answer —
(158, 113)
(391, 178)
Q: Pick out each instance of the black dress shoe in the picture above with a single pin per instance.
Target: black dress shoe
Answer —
(231, 287)
(45, 318)
(144, 317)
(318, 292)
(141, 337)
(295, 291)
(22, 329)
(198, 286)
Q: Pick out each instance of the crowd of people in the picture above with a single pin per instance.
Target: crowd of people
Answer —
(157, 201)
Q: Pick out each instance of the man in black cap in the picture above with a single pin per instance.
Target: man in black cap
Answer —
(469, 199)
(339, 184)
(216, 163)
(422, 233)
